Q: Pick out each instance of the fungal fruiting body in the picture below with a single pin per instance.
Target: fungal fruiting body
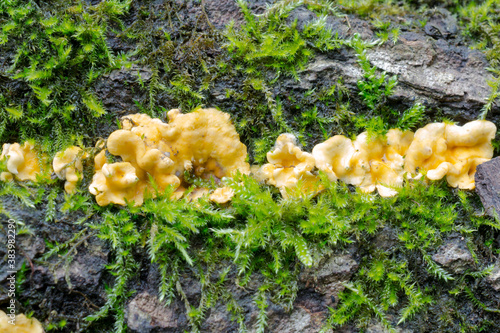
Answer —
(288, 165)
(126, 181)
(369, 163)
(450, 150)
(68, 166)
(21, 324)
(222, 195)
(22, 162)
(117, 183)
(203, 142)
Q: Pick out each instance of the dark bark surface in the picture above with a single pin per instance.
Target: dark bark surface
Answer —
(488, 185)
(433, 66)
(437, 69)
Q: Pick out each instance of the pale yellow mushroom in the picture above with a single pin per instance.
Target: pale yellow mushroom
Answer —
(197, 193)
(100, 160)
(22, 161)
(68, 166)
(6, 176)
(288, 165)
(117, 183)
(206, 144)
(146, 160)
(19, 324)
(369, 163)
(221, 195)
(203, 142)
(452, 151)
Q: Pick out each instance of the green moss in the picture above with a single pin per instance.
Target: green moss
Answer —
(374, 8)
(481, 24)
(59, 52)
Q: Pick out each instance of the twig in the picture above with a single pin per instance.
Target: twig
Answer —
(88, 301)
(73, 248)
(27, 258)
(348, 23)
(206, 15)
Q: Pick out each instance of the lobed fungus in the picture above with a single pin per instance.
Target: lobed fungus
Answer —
(370, 164)
(452, 151)
(127, 180)
(6, 176)
(203, 142)
(206, 143)
(146, 159)
(22, 162)
(117, 183)
(68, 166)
(288, 164)
(221, 195)
(21, 324)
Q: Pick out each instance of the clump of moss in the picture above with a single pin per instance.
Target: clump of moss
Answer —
(56, 53)
(59, 51)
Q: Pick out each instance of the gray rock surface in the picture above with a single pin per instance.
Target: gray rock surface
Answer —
(145, 312)
(45, 285)
(435, 72)
(441, 24)
(379, 328)
(494, 278)
(488, 185)
(386, 239)
(222, 12)
(337, 267)
(432, 66)
(318, 289)
(87, 266)
(304, 318)
(219, 320)
(454, 255)
(119, 89)
(28, 246)
(328, 279)
(80, 277)
(439, 72)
